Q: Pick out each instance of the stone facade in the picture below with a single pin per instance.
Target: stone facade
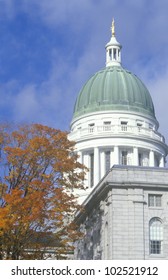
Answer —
(126, 216)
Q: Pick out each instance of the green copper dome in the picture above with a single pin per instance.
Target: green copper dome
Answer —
(114, 89)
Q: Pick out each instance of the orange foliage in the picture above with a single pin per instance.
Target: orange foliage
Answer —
(39, 170)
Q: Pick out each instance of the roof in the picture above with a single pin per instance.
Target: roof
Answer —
(114, 89)
(125, 176)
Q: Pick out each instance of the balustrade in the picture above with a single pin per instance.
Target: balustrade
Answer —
(116, 129)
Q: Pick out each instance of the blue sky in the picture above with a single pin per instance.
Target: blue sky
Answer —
(49, 48)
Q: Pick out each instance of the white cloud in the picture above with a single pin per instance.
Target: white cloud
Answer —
(159, 92)
(140, 28)
(26, 104)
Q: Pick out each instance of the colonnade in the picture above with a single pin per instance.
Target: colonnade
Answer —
(98, 168)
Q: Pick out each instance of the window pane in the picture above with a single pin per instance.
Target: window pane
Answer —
(107, 126)
(124, 158)
(107, 161)
(155, 247)
(140, 159)
(91, 127)
(151, 200)
(124, 126)
(158, 200)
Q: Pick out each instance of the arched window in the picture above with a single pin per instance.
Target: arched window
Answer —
(156, 236)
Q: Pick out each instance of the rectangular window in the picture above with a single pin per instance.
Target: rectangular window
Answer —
(157, 161)
(139, 125)
(155, 247)
(140, 160)
(155, 200)
(107, 126)
(124, 126)
(91, 127)
(124, 158)
(107, 161)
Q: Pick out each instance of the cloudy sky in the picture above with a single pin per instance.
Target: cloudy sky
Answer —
(49, 48)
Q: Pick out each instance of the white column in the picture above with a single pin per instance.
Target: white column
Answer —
(102, 163)
(86, 163)
(135, 156)
(161, 161)
(151, 158)
(96, 166)
(111, 158)
(80, 157)
(116, 155)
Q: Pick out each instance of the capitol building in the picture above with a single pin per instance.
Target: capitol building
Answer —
(125, 203)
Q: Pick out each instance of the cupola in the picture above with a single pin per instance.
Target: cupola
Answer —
(113, 49)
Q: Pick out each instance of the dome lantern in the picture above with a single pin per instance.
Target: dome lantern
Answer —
(113, 49)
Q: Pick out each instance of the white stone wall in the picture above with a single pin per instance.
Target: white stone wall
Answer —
(117, 227)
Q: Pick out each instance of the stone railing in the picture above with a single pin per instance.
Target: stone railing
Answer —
(119, 130)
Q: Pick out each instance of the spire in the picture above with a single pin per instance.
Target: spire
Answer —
(113, 49)
(113, 28)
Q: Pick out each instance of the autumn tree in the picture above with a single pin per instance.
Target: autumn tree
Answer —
(39, 171)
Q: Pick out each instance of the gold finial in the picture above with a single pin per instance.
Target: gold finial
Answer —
(113, 28)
